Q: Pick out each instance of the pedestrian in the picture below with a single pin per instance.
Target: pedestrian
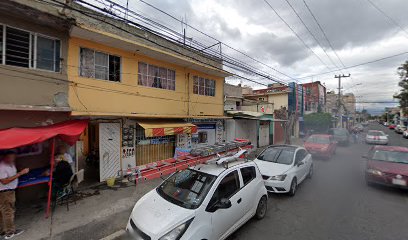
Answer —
(8, 184)
(63, 155)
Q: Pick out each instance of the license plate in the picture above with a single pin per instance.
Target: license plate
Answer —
(399, 182)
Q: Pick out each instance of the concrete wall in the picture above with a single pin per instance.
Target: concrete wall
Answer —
(23, 87)
(129, 98)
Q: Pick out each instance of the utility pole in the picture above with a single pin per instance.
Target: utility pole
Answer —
(339, 97)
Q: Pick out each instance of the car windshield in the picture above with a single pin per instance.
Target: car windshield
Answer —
(278, 155)
(186, 188)
(391, 156)
(375, 133)
(317, 139)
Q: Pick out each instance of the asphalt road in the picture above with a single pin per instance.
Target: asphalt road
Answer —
(336, 204)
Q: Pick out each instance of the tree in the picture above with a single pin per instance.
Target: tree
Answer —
(403, 83)
(318, 122)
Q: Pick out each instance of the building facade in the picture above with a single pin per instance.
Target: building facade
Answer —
(314, 97)
(145, 96)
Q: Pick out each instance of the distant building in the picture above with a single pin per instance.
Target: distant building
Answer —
(347, 109)
(314, 97)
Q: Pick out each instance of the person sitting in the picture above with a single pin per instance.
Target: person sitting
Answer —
(62, 174)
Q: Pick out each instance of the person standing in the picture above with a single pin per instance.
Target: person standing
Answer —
(8, 184)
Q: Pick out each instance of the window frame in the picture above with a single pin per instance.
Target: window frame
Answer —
(140, 82)
(296, 154)
(238, 179)
(32, 51)
(204, 88)
(242, 175)
(94, 65)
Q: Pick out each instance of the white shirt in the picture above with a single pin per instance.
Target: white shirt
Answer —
(7, 171)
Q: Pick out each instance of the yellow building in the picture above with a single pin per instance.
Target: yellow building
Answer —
(144, 94)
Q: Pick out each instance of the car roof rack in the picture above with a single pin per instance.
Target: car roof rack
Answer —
(223, 161)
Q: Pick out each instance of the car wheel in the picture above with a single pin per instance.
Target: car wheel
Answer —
(310, 175)
(293, 187)
(262, 208)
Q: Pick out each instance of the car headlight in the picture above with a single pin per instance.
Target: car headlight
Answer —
(278, 177)
(374, 172)
(177, 232)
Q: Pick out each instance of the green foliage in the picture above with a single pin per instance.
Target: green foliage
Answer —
(319, 122)
(403, 83)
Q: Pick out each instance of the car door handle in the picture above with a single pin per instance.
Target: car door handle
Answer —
(239, 200)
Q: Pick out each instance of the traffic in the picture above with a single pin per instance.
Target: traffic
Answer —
(214, 199)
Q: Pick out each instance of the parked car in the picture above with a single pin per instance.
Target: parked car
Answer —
(400, 129)
(392, 126)
(284, 167)
(208, 201)
(387, 165)
(322, 145)
(358, 128)
(376, 137)
(341, 135)
(405, 134)
(365, 124)
(386, 124)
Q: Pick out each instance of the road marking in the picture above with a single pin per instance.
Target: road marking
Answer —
(114, 235)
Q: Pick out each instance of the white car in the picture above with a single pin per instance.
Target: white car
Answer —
(376, 137)
(284, 167)
(208, 201)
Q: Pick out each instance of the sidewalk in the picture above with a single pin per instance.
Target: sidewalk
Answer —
(101, 212)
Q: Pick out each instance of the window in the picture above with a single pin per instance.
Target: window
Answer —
(227, 187)
(30, 50)
(187, 188)
(202, 137)
(300, 155)
(203, 86)
(99, 65)
(248, 173)
(282, 155)
(156, 77)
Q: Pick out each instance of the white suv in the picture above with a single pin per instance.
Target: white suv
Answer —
(207, 201)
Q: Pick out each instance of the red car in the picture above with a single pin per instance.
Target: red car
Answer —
(392, 126)
(387, 165)
(321, 145)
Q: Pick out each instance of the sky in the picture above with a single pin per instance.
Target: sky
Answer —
(357, 33)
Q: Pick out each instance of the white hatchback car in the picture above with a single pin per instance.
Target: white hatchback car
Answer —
(207, 201)
(284, 167)
(376, 137)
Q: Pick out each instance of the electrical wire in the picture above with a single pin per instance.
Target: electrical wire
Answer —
(311, 33)
(387, 16)
(357, 65)
(324, 33)
(211, 37)
(169, 48)
(296, 34)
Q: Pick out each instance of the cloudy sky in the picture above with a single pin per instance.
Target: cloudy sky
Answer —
(357, 31)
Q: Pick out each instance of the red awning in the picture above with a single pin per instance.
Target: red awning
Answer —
(68, 131)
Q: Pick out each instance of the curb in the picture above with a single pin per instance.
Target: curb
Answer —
(114, 235)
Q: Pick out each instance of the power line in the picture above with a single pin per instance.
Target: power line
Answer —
(246, 68)
(387, 16)
(211, 37)
(296, 34)
(310, 32)
(357, 65)
(324, 33)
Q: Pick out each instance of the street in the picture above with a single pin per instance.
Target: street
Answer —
(336, 203)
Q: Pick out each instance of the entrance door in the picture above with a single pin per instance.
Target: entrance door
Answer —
(263, 133)
(109, 150)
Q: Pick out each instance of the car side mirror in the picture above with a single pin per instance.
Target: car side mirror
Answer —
(224, 203)
(300, 163)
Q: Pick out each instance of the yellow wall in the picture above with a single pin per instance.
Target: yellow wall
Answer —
(128, 98)
(278, 100)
